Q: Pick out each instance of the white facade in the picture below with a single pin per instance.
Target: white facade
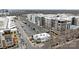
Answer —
(11, 23)
(35, 17)
(52, 20)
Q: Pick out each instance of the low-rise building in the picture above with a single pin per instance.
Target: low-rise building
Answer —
(41, 37)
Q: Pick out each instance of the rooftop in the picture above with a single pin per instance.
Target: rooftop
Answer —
(6, 23)
(3, 23)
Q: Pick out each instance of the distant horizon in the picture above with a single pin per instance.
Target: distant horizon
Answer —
(44, 11)
(47, 11)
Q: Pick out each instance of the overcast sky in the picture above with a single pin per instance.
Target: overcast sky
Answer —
(39, 4)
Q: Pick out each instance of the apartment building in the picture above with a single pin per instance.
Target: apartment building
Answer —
(8, 32)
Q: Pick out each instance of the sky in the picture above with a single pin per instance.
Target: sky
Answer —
(39, 4)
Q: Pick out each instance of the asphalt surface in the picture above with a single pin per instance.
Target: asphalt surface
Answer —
(24, 35)
(29, 31)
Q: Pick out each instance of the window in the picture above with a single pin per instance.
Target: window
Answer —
(14, 35)
(8, 38)
(6, 32)
(60, 21)
(14, 32)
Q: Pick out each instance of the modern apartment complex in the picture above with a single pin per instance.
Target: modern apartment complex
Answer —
(8, 32)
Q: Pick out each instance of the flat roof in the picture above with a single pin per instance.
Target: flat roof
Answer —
(43, 36)
(6, 22)
(3, 23)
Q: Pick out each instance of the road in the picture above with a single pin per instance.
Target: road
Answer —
(29, 31)
(24, 35)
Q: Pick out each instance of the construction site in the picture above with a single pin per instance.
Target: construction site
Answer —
(62, 28)
(22, 30)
